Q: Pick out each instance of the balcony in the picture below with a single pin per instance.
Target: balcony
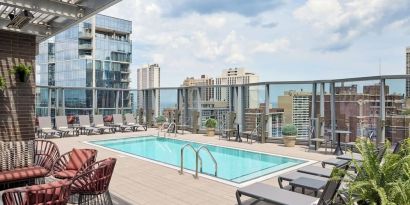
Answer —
(85, 56)
(85, 35)
(85, 46)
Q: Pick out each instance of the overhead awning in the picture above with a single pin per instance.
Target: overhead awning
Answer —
(45, 18)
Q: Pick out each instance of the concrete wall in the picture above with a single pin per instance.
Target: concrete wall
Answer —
(17, 101)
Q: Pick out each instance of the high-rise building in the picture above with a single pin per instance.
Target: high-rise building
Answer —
(237, 76)
(296, 106)
(207, 93)
(93, 53)
(148, 77)
(408, 71)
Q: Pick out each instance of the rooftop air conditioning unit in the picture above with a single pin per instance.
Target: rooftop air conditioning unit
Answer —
(20, 20)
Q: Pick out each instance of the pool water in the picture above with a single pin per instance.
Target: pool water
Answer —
(234, 165)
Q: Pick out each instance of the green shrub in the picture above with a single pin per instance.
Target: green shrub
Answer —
(160, 119)
(381, 183)
(2, 83)
(22, 70)
(289, 130)
(211, 123)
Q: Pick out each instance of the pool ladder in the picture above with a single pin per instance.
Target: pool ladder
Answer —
(167, 129)
(198, 159)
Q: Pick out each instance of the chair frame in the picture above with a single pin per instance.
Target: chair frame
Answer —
(46, 153)
(65, 130)
(94, 182)
(22, 195)
(44, 132)
(61, 163)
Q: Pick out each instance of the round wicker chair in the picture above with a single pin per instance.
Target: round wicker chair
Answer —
(56, 193)
(92, 185)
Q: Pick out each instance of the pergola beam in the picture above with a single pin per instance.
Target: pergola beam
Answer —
(34, 29)
(69, 11)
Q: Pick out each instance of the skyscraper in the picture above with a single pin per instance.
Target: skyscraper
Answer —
(149, 77)
(93, 53)
(237, 76)
(408, 71)
(296, 105)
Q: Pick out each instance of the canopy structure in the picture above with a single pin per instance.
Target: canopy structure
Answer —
(45, 18)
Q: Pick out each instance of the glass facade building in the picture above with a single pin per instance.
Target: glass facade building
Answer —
(94, 53)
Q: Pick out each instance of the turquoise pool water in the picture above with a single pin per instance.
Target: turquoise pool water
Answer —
(234, 165)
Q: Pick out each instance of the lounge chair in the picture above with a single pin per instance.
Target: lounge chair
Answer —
(85, 124)
(46, 129)
(290, 176)
(62, 126)
(118, 122)
(99, 124)
(129, 118)
(264, 192)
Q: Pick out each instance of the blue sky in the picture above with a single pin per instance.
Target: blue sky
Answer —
(277, 39)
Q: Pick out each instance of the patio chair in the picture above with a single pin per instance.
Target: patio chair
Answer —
(92, 185)
(56, 193)
(358, 157)
(62, 126)
(326, 139)
(45, 127)
(26, 161)
(129, 118)
(99, 124)
(267, 193)
(84, 121)
(118, 122)
(73, 162)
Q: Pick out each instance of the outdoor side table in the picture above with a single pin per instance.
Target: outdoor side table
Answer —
(308, 183)
(338, 150)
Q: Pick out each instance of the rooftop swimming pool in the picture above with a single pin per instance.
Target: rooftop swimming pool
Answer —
(234, 165)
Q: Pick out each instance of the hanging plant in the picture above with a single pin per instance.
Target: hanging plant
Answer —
(22, 72)
(2, 83)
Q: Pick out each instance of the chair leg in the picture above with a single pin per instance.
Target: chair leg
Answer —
(108, 195)
(238, 197)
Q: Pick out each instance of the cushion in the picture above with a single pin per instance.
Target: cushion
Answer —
(66, 174)
(23, 173)
(108, 118)
(46, 192)
(77, 158)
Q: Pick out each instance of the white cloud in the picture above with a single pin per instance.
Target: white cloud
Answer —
(271, 47)
(206, 42)
(343, 21)
(215, 21)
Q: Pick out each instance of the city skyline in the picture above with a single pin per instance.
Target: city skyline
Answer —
(188, 38)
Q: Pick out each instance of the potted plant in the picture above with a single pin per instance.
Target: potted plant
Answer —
(22, 72)
(289, 133)
(210, 125)
(160, 120)
(2, 83)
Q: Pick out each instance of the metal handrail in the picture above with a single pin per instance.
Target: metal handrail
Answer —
(254, 130)
(181, 171)
(175, 129)
(161, 128)
(198, 157)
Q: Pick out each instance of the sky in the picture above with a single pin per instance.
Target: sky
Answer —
(276, 39)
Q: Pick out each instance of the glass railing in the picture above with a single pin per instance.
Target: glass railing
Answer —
(366, 107)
